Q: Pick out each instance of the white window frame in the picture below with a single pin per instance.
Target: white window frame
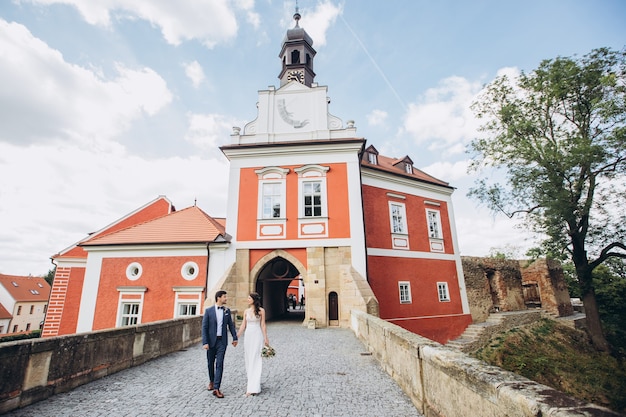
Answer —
(400, 217)
(272, 195)
(433, 220)
(312, 174)
(371, 157)
(408, 168)
(312, 194)
(129, 296)
(131, 318)
(193, 306)
(188, 296)
(276, 177)
(404, 292)
(443, 292)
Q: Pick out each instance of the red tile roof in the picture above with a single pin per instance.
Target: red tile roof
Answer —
(391, 165)
(190, 225)
(26, 288)
(4, 313)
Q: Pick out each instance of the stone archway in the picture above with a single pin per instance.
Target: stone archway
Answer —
(271, 277)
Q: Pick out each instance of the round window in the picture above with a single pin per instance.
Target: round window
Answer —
(133, 271)
(189, 270)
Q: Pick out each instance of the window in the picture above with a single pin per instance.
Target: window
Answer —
(130, 314)
(295, 57)
(371, 157)
(434, 224)
(312, 201)
(134, 271)
(397, 214)
(271, 200)
(187, 309)
(442, 289)
(19, 310)
(15, 329)
(190, 271)
(130, 305)
(32, 308)
(408, 168)
(272, 190)
(34, 292)
(312, 198)
(405, 292)
(188, 301)
(27, 326)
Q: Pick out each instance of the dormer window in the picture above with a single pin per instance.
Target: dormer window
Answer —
(14, 284)
(371, 157)
(408, 168)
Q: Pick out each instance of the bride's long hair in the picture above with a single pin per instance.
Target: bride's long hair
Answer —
(256, 302)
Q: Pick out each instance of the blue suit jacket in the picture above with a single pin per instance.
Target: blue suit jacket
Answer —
(209, 326)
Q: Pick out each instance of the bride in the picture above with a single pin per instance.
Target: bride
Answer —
(253, 325)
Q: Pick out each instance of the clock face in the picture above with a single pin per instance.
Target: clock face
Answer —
(295, 76)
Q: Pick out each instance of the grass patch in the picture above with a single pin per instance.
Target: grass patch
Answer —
(562, 358)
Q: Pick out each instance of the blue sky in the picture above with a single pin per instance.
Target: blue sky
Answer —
(107, 104)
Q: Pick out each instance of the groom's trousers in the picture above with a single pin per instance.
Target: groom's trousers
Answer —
(215, 360)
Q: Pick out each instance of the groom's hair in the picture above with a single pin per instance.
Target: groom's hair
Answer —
(219, 294)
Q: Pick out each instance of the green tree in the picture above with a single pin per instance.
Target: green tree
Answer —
(558, 134)
(49, 277)
(610, 284)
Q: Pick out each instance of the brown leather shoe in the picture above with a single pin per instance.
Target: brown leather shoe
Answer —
(210, 387)
(218, 393)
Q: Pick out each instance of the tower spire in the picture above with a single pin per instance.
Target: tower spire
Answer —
(296, 15)
(297, 55)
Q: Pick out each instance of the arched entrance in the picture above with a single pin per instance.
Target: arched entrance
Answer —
(275, 281)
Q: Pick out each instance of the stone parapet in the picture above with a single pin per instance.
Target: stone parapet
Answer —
(443, 382)
(35, 369)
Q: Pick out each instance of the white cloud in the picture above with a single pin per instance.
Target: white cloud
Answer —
(65, 192)
(210, 21)
(479, 231)
(207, 131)
(46, 99)
(447, 171)
(442, 115)
(317, 22)
(193, 70)
(377, 118)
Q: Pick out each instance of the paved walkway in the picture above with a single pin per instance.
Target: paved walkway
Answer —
(314, 373)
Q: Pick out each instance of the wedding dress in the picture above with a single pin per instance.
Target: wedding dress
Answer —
(253, 344)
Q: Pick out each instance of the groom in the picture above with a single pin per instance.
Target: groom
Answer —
(216, 323)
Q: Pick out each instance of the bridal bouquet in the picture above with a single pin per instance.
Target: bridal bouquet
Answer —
(267, 352)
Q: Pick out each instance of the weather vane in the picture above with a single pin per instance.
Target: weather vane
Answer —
(296, 16)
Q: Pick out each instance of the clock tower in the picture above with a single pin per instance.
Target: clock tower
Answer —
(297, 56)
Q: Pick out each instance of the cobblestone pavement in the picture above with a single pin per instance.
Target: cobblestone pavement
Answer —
(315, 373)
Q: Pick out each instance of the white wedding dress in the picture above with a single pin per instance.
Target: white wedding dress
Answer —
(253, 344)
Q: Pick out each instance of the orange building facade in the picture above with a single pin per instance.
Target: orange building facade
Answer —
(151, 265)
(310, 206)
(358, 229)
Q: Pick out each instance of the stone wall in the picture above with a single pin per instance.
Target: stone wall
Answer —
(444, 382)
(548, 275)
(498, 285)
(35, 369)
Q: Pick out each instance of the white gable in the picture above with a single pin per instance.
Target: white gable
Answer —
(293, 112)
